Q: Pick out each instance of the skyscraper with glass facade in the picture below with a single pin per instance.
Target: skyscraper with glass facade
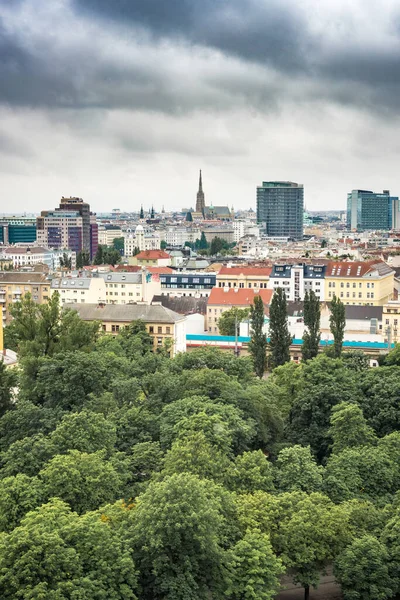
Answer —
(280, 209)
(368, 210)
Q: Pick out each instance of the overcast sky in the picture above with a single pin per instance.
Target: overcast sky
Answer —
(121, 102)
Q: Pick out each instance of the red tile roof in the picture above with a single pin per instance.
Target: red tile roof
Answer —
(356, 269)
(249, 271)
(237, 297)
(152, 255)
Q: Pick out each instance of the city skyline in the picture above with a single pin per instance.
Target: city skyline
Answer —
(122, 103)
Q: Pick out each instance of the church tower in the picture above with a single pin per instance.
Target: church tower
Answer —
(200, 202)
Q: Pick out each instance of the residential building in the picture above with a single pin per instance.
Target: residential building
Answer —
(14, 285)
(161, 323)
(367, 210)
(36, 255)
(79, 290)
(140, 239)
(296, 280)
(280, 206)
(108, 233)
(223, 232)
(222, 299)
(391, 321)
(187, 284)
(244, 277)
(368, 283)
(155, 258)
(127, 288)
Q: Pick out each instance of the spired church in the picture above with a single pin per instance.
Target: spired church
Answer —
(219, 213)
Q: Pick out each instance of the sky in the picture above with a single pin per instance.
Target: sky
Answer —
(122, 102)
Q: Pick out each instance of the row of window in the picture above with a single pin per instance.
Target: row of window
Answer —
(122, 293)
(332, 284)
(234, 284)
(360, 295)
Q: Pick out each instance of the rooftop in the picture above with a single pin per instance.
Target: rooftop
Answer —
(152, 255)
(125, 313)
(246, 271)
(237, 296)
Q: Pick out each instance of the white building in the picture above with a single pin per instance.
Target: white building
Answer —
(296, 280)
(127, 288)
(28, 256)
(79, 290)
(142, 239)
(108, 233)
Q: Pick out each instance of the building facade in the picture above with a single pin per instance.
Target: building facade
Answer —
(14, 285)
(187, 284)
(280, 208)
(367, 210)
(161, 323)
(222, 299)
(244, 277)
(296, 280)
(369, 283)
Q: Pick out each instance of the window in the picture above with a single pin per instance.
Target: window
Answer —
(368, 285)
(341, 294)
(348, 284)
(342, 284)
(387, 321)
(359, 294)
(347, 294)
(360, 285)
(372, 285)
(372, 294)
(330, 294)
(168, 329)
(354, 285)
(159, 329)
(249, 285)
(151, 329)
(159, 341)
(395, 321)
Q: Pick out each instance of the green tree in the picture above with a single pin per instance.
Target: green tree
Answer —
(356, 360)
(203, 244)
(82, 259)
(349, 428)
(324, 382)
(111, 256)
(226, 322)
(27, 455)
(180, 530)
(258, 343)
(66, 261)
(18, 495)
(99, 258)
(163, 244)
(251, 471)
(363, 570)
(119, 244)
(84, 431)
(380, 392)
(85, 481)
(296, 470)
(194, 454)
(337, 321)
(55, 554)
(8, 381)
(312, 318)
(254, 569)
(279, 336)
(218, 245)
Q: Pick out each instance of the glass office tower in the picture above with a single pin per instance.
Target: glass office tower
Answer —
(280, 208)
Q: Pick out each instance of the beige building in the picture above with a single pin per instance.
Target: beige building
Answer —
(125, 288)
(391, 320)
(223, 233)
(369, 283)
(151, 258)
(14, 285)
(161, 323)
(79, 290)
(108, 233)
(244, 277)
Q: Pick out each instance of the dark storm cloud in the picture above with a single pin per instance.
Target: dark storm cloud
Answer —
(268, 32)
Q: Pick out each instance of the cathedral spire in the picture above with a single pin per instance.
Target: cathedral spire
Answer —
(200, 202)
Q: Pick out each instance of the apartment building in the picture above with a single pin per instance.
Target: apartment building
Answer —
(369, 283)
(296, 280)
(161, 323)
(391, 321)
(222, 299)
(79, 290)
(154, 258)
(244, 277)
(183, 284)
(14, 285)
(36, 255)
(125, 288)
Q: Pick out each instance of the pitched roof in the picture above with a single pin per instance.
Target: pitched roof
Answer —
(184, 305)
(237, 296)
(249, 271)
(152, 255)
(125, 313)
(356, 268)
(18, 277)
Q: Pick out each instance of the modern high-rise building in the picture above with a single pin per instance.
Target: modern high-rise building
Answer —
(280, 209)
(373, 211)
(70, 226)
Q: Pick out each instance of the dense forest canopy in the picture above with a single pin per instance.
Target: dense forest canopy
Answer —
(126, 474)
